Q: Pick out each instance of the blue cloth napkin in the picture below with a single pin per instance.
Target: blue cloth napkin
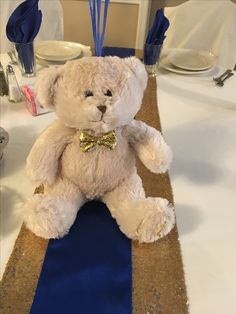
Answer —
(156, 34)
(24, 23)
(155, 38)
(22, 27)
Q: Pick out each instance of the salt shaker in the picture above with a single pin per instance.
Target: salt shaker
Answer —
(14, 94)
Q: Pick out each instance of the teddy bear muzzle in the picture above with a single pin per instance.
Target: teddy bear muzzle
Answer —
(102, 108)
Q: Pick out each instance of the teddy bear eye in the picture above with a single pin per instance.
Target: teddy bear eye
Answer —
(108, 93)
(88, 93)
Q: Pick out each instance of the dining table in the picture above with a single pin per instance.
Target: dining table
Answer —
(199, 123)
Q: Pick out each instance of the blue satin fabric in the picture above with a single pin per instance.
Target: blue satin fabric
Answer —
(118, 51)
(89, 270)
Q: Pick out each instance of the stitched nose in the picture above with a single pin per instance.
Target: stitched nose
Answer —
(102, 108)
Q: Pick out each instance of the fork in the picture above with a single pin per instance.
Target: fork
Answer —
(221, 82)
(220, 78)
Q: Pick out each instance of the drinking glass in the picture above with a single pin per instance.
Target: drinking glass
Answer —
(151, 58)
(25, 58)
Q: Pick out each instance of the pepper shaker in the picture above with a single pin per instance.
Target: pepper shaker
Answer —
(14, 94)
(3, 82)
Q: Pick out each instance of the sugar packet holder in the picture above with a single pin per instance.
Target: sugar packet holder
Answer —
(31, 102)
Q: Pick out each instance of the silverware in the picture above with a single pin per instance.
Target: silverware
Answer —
(221, 82)
(220, 78)
(12, 57)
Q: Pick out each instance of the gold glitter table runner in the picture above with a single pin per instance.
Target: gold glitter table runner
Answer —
(158, 277)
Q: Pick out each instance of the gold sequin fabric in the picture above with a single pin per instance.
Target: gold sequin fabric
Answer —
(88, 142)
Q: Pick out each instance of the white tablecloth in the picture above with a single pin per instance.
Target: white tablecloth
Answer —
(15, 187)
(199, 122)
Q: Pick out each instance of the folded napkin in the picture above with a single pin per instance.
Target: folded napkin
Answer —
(24, 23)
(156, 34)
(155, 38)
(22, 27)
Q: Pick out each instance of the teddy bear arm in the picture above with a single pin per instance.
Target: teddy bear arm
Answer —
(42, 162)
(149, 145)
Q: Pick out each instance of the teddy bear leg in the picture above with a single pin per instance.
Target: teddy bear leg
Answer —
(140, 218)
(50, 215)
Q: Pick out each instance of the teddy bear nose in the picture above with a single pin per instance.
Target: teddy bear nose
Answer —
(102, 108)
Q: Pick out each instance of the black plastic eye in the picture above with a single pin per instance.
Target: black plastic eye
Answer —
(108, 93)
(88, 93)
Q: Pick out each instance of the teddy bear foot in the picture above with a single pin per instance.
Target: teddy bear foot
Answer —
(158, 222)
(49, 217)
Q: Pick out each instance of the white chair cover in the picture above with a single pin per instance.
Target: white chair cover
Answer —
(206, 25)
(52, 23)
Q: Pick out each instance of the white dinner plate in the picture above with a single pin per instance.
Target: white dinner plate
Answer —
(53, 50)
(165, 63)
(192, 60)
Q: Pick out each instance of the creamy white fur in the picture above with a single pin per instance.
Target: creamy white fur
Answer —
(71, 176)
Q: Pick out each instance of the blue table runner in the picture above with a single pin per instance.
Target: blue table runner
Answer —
(89, 271)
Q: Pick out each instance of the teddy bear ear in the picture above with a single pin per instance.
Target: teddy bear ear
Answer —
(137, 67)
(45, 85)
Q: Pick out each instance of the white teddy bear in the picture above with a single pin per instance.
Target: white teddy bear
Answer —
(89, 153)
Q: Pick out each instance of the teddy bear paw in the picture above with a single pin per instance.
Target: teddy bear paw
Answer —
(158, 222)
(46, 216)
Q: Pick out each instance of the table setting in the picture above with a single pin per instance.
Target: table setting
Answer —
(188, 61)
(149, 276)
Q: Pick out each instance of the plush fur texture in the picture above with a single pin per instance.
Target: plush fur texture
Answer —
(75, 92)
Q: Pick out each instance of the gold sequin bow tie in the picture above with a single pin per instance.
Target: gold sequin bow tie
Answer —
(88, 142)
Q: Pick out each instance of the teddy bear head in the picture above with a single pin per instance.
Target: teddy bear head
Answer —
(98, 94)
